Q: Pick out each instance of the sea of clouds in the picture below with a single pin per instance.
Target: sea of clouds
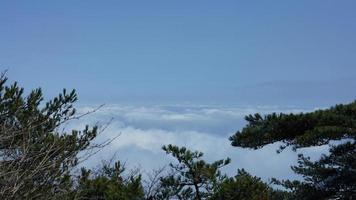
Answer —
(143, 130)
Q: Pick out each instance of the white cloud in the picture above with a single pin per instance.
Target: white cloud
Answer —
(144, 130)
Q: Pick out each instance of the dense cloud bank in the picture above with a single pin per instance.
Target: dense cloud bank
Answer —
(143, 130)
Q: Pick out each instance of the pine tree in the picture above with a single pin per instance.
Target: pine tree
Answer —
(192, 177)
(334, 175)
(36, 157)
(109, 184)
(246, 187)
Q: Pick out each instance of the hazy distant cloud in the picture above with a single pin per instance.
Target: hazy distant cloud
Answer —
(316, 92)
(208, 119)
(143, 131)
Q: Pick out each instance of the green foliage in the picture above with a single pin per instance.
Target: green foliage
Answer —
(35, 157)
(246, 187)
(331, 177)
(299, 130)
(109, 184)
(192, 177)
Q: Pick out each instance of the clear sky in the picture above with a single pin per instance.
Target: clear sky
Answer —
(221, 59)
(225, 52)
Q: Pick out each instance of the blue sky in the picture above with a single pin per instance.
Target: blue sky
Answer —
(200, 65)
(222, 52)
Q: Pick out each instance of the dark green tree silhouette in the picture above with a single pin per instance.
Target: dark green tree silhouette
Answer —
(109, 184)
(246, 187)
(192, 177)
(36, 157)
(334, 175)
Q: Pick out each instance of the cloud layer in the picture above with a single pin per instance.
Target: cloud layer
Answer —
(144, 129)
